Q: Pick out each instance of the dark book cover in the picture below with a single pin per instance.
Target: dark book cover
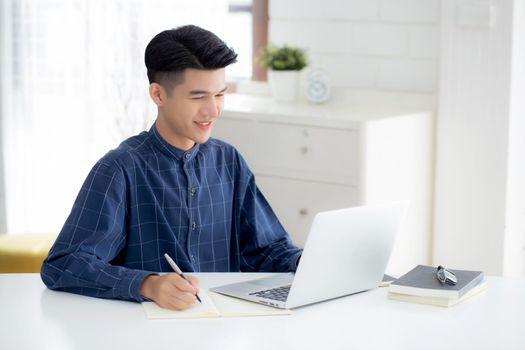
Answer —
(422, 281)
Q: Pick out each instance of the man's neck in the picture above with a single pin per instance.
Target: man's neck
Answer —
(165, 132)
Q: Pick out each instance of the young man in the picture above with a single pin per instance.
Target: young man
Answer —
(172, 189)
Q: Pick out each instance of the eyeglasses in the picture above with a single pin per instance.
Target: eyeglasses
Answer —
(446, 276)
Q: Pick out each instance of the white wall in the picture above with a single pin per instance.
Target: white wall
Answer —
(474, 63)
(398, 164)
(3, 68)
(480, 130)
(389, 45)
(514, 248)
(378, 44)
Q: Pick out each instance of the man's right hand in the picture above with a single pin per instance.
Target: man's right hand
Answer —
(170, 291)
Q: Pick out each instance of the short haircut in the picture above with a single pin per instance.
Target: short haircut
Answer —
(172, 51)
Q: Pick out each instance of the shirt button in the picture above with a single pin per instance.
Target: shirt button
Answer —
(193, 191)
(193, 226)
(187, 155)
(193, 258)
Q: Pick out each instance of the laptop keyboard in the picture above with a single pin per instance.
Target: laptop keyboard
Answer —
(279, 293)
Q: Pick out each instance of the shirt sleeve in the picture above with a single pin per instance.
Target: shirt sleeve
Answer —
(93, 235)
(265, 244)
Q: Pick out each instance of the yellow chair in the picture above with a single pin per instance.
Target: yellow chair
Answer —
(24, 252)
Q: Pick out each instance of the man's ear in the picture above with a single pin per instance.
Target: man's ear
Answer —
(157, 94)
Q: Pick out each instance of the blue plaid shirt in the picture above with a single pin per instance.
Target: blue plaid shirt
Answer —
(147, 198)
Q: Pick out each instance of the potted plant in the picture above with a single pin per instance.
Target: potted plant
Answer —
(283, 64)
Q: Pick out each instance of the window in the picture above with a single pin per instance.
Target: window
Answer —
(258, 14)
(74, 86)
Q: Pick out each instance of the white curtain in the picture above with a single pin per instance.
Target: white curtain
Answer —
(73, 86)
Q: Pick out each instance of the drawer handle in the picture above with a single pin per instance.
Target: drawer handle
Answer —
(303, 212)
(304, 150)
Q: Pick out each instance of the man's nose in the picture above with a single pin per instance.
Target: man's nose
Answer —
(210, 109)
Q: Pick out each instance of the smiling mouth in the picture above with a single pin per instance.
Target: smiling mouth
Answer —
(203, 123)
(204, 126)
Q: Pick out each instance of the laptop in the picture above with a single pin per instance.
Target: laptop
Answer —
(346, 252)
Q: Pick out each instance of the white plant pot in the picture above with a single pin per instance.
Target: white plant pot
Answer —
(284, 84)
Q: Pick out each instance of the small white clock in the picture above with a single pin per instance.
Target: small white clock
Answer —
(318, 86)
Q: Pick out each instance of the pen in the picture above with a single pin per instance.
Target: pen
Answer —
(178, 271)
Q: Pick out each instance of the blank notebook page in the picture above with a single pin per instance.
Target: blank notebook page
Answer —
(214, 305)
(232, 307)
(197, 310)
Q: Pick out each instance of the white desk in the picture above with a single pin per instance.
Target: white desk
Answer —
(33, 317)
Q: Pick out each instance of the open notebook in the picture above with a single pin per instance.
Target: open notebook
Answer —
(214, 305)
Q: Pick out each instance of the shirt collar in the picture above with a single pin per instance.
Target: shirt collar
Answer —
(170, 150)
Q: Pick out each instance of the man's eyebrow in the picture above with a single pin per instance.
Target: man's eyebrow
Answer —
(204, 92)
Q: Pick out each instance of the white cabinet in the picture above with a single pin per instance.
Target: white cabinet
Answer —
(300, 169)
(306, 152)
(296, 201)
(309, 158)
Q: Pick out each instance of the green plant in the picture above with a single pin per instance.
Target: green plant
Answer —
(283, 58)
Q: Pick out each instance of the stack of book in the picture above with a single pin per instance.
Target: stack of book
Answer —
(420, 285)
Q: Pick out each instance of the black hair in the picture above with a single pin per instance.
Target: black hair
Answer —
(172, 51)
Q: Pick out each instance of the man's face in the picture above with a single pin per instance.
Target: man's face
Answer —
(186, 116)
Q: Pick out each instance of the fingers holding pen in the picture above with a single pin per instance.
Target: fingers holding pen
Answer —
(185, 287)
(194, 281)
(175, 267)
(181, 283)
(170, 291)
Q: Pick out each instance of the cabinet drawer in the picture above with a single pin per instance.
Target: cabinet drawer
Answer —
(305, 152)
(296, 202)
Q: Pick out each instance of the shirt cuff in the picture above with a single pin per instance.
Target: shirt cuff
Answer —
(294, 260)
(129, 286)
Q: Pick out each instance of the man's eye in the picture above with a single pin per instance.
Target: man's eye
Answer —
(197, 97)
(219, 95)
